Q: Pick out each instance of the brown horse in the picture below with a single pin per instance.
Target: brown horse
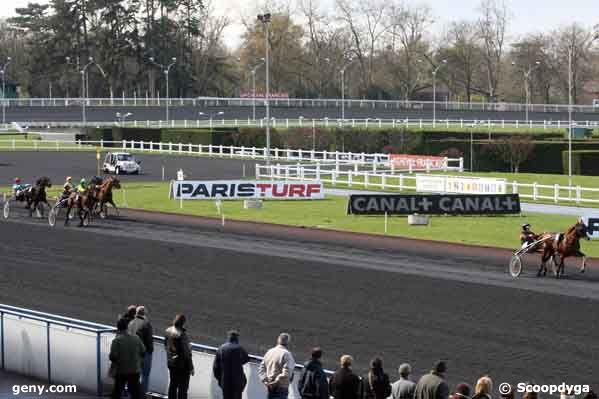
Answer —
(104, 194)
(558, 247)
(36, 195)
(85, 205)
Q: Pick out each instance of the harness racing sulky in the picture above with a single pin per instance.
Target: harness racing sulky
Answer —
(552, 246)
(34, 196)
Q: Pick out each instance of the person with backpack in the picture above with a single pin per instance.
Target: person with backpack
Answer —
(313, 382)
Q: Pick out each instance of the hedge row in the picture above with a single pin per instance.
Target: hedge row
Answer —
(584, 162)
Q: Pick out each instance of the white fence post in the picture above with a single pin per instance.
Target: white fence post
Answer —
(534, 191)
(578, 196)
(555, 193)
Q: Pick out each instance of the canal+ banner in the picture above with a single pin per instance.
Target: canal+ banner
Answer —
(244, 189)
(434, 204)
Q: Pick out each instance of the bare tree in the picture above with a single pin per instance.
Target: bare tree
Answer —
(513, 150)
(492, 26)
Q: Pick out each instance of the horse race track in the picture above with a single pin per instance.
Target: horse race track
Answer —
(408, 300)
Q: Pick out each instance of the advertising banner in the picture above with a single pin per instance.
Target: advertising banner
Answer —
(433, 204)
(403, 161)
(592, 223)
(244, 189)
(460, 185)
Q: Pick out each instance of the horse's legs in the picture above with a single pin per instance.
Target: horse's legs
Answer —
(111, 202)
(583, 267)
(544, 258)
(67, 215)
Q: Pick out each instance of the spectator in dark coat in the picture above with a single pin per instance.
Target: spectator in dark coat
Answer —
(313, 382)
(345, 384)
(142, 327)
(433, 385)
(179, 358)
(404, 387)
(228, 367)
(376, 384)
(462, 391)
(130, 314)
(126, 354)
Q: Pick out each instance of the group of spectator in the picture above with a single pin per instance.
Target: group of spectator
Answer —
(131, 357)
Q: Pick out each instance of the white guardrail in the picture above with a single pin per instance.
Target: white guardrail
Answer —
(320, 122)
(373, 160)
(297, 103)
(405, 182)
(63, 350)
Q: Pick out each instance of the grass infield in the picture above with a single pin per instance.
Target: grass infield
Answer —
(496, 231)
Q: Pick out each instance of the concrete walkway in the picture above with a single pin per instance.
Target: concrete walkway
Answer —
(526, 207)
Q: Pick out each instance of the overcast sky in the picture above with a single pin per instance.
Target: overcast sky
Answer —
(528, 15)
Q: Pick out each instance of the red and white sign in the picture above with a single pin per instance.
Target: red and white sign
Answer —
(244, 189)
(403, 161)
(263, 95)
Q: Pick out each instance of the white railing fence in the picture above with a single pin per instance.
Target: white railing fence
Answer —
(62, 350)
(338, 158)
(142, 100)
(381, 180)
(477, 125)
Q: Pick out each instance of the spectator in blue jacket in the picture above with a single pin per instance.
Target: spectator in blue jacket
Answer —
(313, 382)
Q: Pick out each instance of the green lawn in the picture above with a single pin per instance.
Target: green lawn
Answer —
(500, 231)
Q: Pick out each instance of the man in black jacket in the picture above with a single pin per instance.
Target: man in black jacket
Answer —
(228, 367)
(142, 327)
(313, 381)
(179, 358)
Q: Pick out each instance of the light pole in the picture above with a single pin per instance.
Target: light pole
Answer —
(527, 74)
(3, 72)
(342, 70)
(443, 62)
(253, 72)
(84, 92)
(165, 69)
(265, 19)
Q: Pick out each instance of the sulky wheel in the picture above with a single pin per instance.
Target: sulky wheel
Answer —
(515, 266)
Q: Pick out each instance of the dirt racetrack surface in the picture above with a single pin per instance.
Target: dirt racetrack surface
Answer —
(362, 295)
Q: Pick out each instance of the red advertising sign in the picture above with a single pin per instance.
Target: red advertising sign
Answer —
(404, 161)
(263, 95)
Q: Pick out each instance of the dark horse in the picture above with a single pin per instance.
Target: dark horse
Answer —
(103, 194)
(85, 205)
(562, 246)
(37, 195)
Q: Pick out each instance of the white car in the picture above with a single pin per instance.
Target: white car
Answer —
(121, 163)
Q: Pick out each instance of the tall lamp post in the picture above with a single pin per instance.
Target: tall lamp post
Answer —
(443, 62)
(265, 20)
(3, 72)
(165, 69)
(342, 71)
(527, 75)
(253, 72)
(84, 92)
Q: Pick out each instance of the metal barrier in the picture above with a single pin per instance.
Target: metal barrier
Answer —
(143, 101)
(63, 350)
(392, 180)
(354, 123)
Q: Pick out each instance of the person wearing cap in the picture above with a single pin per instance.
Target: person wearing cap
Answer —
(179, 358)
(527, 236)
(19, 187)
(228, 367)
(433, 385)
(344, 384)
(67, 188)
(313, 382)
(277, 367)
(126, 354)
(142, 327)
(404, 387)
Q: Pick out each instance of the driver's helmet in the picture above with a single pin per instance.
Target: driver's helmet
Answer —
(17, 180)
(526, 226)
(83, 182)
(69, 178)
